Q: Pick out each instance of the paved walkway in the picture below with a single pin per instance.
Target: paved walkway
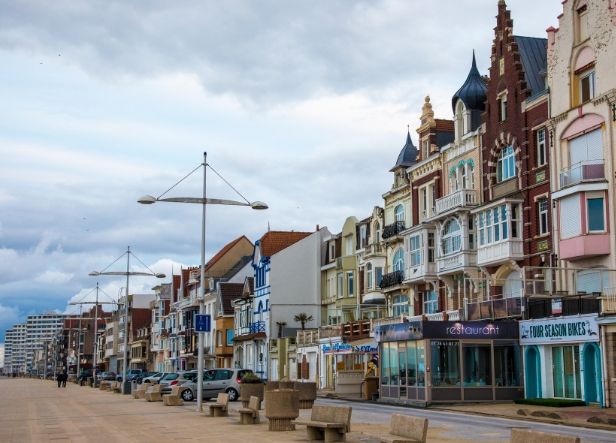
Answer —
(33, 410)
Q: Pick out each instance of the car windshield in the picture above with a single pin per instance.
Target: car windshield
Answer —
(171, 376)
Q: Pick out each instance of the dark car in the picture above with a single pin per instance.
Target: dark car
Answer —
(131, 375)
(83, 377)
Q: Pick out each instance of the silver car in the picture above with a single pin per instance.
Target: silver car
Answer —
(216, 381)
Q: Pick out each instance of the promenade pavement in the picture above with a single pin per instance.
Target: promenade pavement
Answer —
(33, 410)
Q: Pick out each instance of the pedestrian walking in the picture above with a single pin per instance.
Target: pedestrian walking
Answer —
(59, 379)
(64, 379)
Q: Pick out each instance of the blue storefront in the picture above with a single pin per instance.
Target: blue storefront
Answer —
(427, 362)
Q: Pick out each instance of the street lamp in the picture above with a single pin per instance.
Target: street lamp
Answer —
(203, 201)
(126, 273)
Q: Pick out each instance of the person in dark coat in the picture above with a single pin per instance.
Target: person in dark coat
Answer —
(64, 379)
(59, 379)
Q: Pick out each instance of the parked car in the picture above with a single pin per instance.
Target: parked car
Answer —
(107, 375)
(154, 378)
(176, 378)
(131, 374)
(215, 381)
(145, 374)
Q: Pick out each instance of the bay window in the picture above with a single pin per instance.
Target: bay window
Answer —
(498, 224)
(400, 305)
(398, 264)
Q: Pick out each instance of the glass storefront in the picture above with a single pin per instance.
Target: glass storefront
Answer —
(438, 369)
(566, 371)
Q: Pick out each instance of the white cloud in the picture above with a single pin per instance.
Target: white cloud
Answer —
(53, 277)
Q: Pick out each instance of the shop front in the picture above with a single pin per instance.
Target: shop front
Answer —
(346, 363)
(427, 362)
(562, 358)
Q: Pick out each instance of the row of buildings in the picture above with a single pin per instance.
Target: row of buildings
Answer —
(487, 273)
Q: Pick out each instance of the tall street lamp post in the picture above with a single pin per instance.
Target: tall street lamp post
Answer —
(126, 273)
(203, 201)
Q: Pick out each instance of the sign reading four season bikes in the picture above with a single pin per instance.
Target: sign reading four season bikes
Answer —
(579, 328)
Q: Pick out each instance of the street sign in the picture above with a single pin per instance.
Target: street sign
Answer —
(203, 323)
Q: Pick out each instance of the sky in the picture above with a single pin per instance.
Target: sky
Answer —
(303, 105)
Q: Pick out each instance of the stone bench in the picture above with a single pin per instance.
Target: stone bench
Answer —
(153, 393)
(116, 386)
(220, 408)
(105, 385)
(406, 429)
(519, 435)
(250, 415)
(329, 423)
(174, 398)
(140, 391)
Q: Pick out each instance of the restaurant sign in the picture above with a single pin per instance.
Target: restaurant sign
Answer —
(453, 330)
(579, 328)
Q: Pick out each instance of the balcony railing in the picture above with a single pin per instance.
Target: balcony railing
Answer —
(458, 199)
(494, 309)
(588, 170)
(257, 326)
(356, 329)
(307, 337)
(391, 279)
(373, 249)
(608, 303)
(558, 306)
(392, 230)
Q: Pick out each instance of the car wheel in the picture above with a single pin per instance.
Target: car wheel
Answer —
(233, 394)
(187, 395)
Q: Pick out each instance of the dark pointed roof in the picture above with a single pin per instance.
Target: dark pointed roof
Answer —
(408, 154)
(473, 91)
(533, 54)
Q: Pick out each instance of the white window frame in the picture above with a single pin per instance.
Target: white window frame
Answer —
(543, 213)
(415, 256)
(495, 224)
(400, 305)
(399, 215)
(595, 196)
(451, 242)
(350, 278)
(348, 244)
(339, 284)
(590, 76)
(542, 158)
(430, 302)
(398, 260)
(369, 276)
(505, 164)
(502, 107)
(332, 250)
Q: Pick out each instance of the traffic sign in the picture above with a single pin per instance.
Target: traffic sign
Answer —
(203, 323)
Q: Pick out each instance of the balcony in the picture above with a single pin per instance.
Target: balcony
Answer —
(392, 230)
(589, 170)
(373, 250)
(504, 188)
(257, 326)
(608, 303)
(500, 252)
(356, 329)
(567, 305)
(456, 262)
(421, 272)
(497, 308)
(307, 337)
(459, 199)
(391, 279)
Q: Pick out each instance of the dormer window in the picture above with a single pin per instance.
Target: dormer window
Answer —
(461, 125)
(505, 165)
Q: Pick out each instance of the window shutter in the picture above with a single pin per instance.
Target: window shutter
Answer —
(595, 147)
(570, 222)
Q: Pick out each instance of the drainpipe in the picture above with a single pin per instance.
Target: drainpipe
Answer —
(604, 377)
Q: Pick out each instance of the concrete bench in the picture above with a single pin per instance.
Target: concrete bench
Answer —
(174, 398)
(519, 435)
(329, 423)
(140, 391)
(116, 386)
(105, 385)
(153, 393)
(250, 415)
(406, 429)
(220, 408)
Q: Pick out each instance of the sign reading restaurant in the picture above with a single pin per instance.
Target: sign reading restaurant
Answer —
(453, 330)
(579, 328)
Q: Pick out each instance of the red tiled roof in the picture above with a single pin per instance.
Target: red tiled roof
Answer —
(275, 241)
(223, 251)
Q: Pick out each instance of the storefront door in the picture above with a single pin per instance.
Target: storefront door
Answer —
(566, 371)
(592, 374)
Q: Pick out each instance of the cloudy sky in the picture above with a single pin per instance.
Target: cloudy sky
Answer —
(303, 105)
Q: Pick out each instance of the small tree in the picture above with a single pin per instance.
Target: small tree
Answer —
(303, 318)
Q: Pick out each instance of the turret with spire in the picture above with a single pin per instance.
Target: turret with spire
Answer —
(473, 94)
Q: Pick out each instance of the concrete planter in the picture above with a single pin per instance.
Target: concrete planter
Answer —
(271, 385)
(286, 384)
(251, 389)
(307, 394)
(281, 408)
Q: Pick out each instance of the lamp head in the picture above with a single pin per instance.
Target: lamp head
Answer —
(147, 200)
(258, 205)
(160, 275)
(94, 274)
